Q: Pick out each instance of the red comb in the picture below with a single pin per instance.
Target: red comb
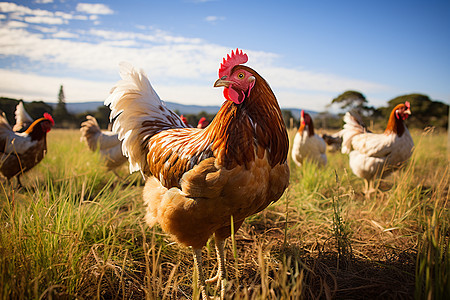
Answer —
(408, 105)
(49, 117)
(302, 114)
(235, 59)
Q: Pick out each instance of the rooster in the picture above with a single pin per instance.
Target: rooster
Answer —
(20, 152)
(107, 142)
(199, 180)
(374, 156)
(23, 119)
(307, 144)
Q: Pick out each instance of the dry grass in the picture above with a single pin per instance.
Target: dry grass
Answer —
(77, 231)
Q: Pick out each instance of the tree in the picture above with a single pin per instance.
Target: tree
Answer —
(8, 106)
(62, 117)
(289, 119)
(61, 106)
(36, 109)
(355, 101)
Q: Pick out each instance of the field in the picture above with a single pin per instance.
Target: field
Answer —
(77, 231)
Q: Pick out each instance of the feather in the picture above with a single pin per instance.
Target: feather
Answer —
(133, 102)
(23, 119)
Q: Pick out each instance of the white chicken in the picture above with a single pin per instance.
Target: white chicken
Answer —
(373, 156)
(107, 142)
(307, 144)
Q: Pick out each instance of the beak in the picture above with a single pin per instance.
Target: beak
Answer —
(222, 82)
(408, 111)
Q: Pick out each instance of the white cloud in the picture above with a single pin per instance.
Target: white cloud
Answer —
(17, 24)
(43, 1)
(94, 9)
(45, 29)
(182, 69)
(35, 87)
(45, 20)
(64, 35)
(307, 80)
(36, 16)
(40, 16)
(64, 15)
(169, 63)
(214, 19)
(8, 7)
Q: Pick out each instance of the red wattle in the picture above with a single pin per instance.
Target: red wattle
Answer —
(232, 95)
(226, 94)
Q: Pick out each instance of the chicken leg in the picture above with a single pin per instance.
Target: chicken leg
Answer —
(220, 276)
(369, 187)
(198, 264)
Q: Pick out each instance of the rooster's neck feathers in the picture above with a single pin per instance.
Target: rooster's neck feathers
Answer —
(250, 128)
(36, 131)
(309, 127)
(395, 125)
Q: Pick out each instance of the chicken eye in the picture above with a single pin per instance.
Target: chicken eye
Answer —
(241, 75)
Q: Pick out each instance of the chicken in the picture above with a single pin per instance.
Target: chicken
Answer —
(20, 152)
(307, 144)
(107, 142)
(185, 121)
(202, 123)
(333, 141)
(198, 180)
(23, 119)
(374, 156)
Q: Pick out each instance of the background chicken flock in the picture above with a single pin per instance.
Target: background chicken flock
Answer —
(205, 181)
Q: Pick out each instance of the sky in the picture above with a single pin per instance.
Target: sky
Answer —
(308, 51)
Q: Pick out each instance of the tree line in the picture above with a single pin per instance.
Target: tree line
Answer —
(425, 112)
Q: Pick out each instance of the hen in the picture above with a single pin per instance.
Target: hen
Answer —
(20, 152)
(307, 144)
(107, 142)
(23, 119)
(374, 156)
(198, 180)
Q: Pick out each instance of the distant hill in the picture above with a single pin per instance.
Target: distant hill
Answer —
(80, 107)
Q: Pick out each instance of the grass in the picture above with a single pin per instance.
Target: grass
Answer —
(77, 231)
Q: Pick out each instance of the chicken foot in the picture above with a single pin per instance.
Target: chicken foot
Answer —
(369, 187)
(219, 278)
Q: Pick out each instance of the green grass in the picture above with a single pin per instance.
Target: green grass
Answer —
(77, 231)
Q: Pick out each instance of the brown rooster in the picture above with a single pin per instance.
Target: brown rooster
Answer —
(198, 180)
(373, 156)
(20, 152)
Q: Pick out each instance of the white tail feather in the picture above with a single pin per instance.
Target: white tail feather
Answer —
(351, 128)
(133, 101)
(23, 119)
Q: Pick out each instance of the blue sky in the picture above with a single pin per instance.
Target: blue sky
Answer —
(308, 51)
